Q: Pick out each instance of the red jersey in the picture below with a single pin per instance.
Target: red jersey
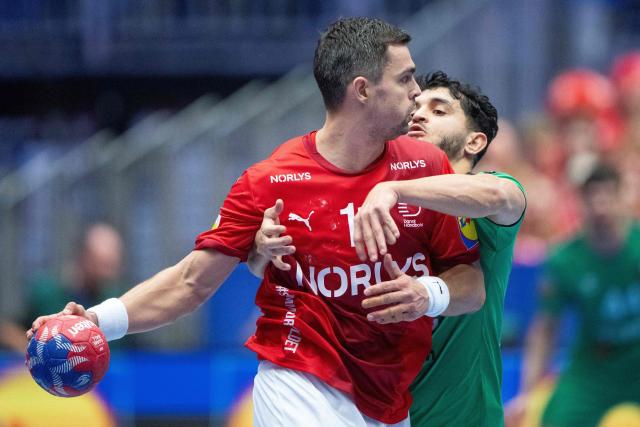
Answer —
(312, 318)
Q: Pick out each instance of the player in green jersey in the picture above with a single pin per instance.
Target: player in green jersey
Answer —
(460, 383)
(597, 273)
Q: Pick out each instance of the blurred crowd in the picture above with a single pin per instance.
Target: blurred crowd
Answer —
(589, 117)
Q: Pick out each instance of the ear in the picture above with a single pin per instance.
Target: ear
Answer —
(361, 89)
(476, 142)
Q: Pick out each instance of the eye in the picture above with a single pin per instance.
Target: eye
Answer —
(438, 112)
(405, 79)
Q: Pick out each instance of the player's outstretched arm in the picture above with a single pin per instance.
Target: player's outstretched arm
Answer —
(537, 355)
(457, 291)
(539, 347)
(470, 196)
(269, 245)
(167, 296)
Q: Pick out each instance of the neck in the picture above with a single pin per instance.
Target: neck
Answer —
(462, 165)
(607, 240)
(347, 143)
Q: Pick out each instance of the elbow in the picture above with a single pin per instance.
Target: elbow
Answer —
(478, 296)
(476, 302)
(499, 199)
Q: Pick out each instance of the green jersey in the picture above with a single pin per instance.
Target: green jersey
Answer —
(604, 291)
(460, 383)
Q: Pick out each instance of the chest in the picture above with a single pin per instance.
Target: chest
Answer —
(608, 291)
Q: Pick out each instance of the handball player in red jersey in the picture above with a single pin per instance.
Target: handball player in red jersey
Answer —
(323, 362)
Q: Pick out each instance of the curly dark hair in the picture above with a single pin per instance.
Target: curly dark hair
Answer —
(349, 48)
(481, 115)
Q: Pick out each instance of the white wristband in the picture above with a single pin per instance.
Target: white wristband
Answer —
(438, 295)
(113, 319)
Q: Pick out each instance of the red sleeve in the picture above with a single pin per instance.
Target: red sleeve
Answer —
(236, 227)
(453, 240)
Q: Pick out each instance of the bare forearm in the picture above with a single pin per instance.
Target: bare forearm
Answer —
(466, 289)
(176, 291)
(471, 196)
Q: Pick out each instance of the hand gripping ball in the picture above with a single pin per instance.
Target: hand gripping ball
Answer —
(68, 356)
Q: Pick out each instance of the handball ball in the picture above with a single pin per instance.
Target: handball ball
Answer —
(68, 356)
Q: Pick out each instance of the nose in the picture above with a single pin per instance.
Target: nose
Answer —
(417, 115)
(415, 91)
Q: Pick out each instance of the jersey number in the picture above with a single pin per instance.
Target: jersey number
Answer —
(350, 212)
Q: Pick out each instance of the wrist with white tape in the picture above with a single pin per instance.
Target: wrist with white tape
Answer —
(113, 319)
(438, 295)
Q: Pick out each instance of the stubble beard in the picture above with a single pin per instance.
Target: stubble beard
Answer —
(452, 145)
(392, 133)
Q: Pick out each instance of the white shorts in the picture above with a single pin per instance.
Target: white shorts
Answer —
(287, 398)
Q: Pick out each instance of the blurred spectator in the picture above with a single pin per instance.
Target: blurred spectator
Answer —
(90, 279)
(542, 223)
(595, 273)
(626, 77)
(12, 336)
(583, 106)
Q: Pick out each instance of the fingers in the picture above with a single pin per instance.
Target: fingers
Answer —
(358, 240)
(274, 211)
(389, 236)
(374, 231)
(73, 308)
(271, 247)
(282, 251)
(403, 296)
(379, 237)
(392, 268)
(265, 243)
(279, 206)
(272, 230)
(383, 288)
(366, 240)
(385, 299)
(390, 227)
(281, 265)
(395, 314)
(70, 308)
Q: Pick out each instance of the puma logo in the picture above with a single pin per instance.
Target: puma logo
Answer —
(296, 217)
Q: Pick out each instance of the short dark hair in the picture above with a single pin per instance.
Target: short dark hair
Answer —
(600, 173)
(350, 48)
(481, 115)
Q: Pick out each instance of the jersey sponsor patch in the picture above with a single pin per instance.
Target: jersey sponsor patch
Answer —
(290, 177)
(412, 164)
(295, 217)
(468, 232)
(408, 210)
(409, 213)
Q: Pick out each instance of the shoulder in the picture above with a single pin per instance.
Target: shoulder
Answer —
(504, 175)
(288, 156)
